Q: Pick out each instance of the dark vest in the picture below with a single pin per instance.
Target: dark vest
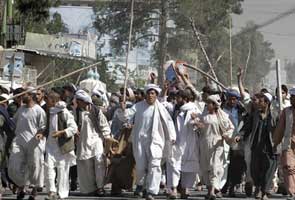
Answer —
(65, 144)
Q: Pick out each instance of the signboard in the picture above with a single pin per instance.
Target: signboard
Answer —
(15, 69)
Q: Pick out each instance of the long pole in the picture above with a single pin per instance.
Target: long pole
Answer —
(197, 35)
(247, 61)
(205, 74)
(55, 80)
(128, 50)
(230, 55)
(278, 71)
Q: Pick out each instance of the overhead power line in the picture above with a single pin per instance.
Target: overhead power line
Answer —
(268, 22)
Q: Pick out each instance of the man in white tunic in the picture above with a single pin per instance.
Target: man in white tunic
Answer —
(94, 131)
(60, 129)
(153, 130)
(27, 153)
(186, 164)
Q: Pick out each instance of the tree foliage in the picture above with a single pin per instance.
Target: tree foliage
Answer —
(113, 19)
(34, 15)
(260, 55)
(211, 17)
(56, 25)
(37, 11)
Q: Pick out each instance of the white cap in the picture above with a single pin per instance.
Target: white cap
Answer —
(152, 86)
(97, 92)
(84, 96)
(268, 96)
(215, 98)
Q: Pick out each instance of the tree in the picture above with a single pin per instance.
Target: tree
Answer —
(56, 25)
(34, 14)
(212, 22)
(106, 78)
(151, 19)
(260, 57)
(113, 19)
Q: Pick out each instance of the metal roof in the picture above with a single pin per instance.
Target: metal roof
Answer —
(63, 46)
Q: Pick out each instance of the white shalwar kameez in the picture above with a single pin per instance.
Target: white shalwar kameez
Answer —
(26, 161)
(189, 144)
(90, 158)
(213, 149)
(184, 161)
(54, 157)
(153, 130)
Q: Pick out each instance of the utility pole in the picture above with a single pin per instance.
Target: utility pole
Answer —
(278, 70)
(230, 54)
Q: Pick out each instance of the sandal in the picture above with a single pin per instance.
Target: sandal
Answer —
(212, 197)
(100, 192)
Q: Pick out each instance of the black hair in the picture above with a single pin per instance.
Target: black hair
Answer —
(209, 90)
(191, 94)
(4, 90)
(264, 90)
(206, 89)
(284, 88)
(2, 99)
(70, 87)
(18, 91)
(186, 95)
(140, 91)
(58, 90)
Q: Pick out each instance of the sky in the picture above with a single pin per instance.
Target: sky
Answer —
(280, 33)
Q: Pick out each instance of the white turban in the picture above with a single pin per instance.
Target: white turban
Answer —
(97, 92)
(84, 96)
(152, 86)
(292, 91)
(215, 98)
(268, 96)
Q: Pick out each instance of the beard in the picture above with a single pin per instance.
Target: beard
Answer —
(26, 100)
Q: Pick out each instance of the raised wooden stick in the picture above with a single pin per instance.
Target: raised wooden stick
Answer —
(205, 74)
(197, 35)
(128, 50)
(247, 62)
(50, 82)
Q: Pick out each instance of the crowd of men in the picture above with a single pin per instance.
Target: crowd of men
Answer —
(62, 139)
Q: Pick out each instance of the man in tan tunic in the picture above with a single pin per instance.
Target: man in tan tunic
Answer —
(285, 134)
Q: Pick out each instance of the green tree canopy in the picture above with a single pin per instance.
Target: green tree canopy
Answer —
(175, 39)
(56, 25)
(261, 54)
